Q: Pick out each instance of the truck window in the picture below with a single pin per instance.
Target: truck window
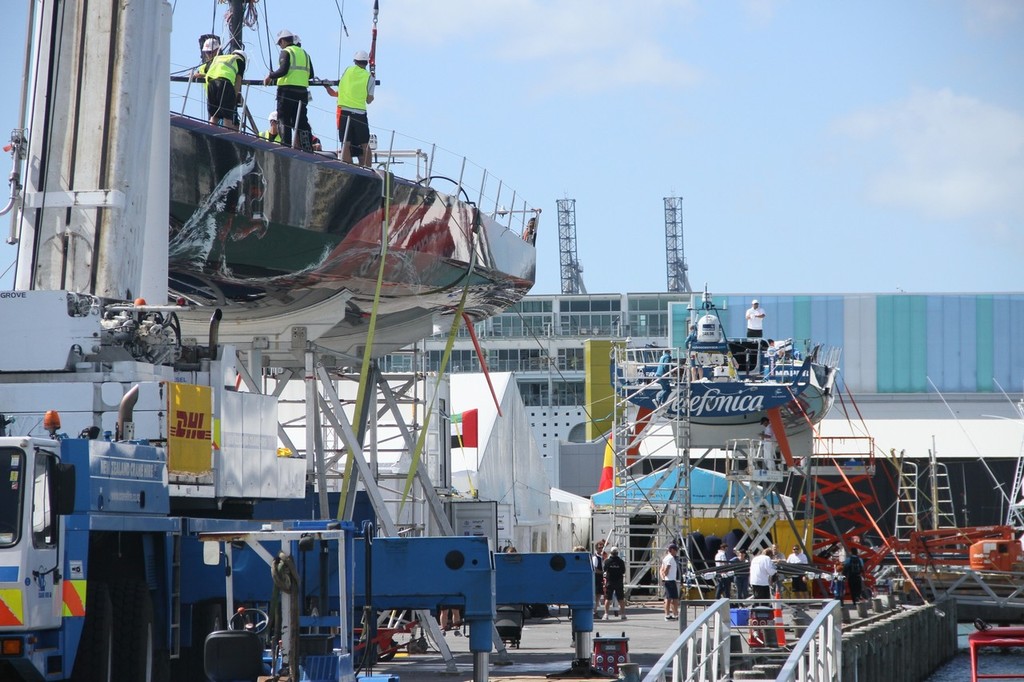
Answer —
(12, 482)
(42, 507)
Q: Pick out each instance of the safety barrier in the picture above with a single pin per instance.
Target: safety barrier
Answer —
(817, 655)
(701, 652)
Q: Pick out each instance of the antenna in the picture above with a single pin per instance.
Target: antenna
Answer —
(675, 260)
(572, 271)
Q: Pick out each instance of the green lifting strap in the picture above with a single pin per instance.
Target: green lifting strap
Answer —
(452, 333)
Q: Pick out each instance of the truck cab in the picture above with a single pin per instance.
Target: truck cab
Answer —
(35, 489)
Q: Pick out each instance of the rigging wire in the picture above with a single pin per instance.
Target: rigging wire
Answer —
(344, 30)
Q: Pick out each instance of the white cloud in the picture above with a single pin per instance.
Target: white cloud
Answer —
(760, 12)
(583, 45)
(944, 155)
(994, 16)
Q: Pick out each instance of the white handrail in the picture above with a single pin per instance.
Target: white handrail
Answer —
(701, 652)
(818, 654)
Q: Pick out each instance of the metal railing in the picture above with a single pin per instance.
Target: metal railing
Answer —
(701, 652)
(818, 654)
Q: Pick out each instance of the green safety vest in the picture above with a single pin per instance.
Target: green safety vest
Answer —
(352, 88)
(223, 66)
(298, 69)
(266, 136)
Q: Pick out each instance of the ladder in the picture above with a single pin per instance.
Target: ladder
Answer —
(907, 518)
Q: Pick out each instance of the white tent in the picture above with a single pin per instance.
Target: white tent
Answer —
(506, 467)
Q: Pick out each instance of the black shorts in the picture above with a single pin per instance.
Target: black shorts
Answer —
(220, 99)
(798, 584)
(671, 589)
(614, 590)
(358, 128)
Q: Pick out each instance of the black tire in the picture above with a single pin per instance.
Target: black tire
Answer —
(133, 632)
(95, 650)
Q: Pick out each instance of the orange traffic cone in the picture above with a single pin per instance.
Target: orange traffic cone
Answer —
(780, 629)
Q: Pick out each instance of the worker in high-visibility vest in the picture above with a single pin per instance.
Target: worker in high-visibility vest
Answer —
(292, 75)
(355, 91)
(224, 88)
(274, 134)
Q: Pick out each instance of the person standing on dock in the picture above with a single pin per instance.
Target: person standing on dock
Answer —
(742, 576)
(292, 76)
(755, 320)
(762, 573)
(597, 563)
(669, 573)
(614, 582)
(723, 588)
(797, 556)
(853, 571)
(355, 91)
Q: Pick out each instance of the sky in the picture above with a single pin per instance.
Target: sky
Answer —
(818, 147)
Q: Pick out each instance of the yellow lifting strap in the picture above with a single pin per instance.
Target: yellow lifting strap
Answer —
(364, 369)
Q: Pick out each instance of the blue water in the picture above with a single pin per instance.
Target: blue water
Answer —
(991, 661)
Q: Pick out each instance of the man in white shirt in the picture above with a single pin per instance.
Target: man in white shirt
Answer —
(669, 575)
(768, 445)
(797, 556)
(755, 320)
(762, 572)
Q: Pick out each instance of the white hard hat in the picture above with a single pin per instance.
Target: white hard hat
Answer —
(296, 39)
(361, 56)
(211, 45)
(753, 302)
(285, 33)
(272, 117)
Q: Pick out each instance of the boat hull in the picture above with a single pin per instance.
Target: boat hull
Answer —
(271, 230)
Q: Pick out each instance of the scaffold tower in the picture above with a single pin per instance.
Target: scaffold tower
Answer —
(651, 505)
(571, 270)
(675, 257)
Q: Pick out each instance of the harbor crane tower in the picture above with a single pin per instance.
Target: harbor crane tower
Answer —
(571, 270)
(675, 259)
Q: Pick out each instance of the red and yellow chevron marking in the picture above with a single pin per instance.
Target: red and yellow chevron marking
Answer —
(11, 611)
(74, 598)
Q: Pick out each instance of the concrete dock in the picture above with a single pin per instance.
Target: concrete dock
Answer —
(546, 645)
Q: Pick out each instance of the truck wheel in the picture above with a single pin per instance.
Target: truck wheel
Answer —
(133, 632)
(95, 649)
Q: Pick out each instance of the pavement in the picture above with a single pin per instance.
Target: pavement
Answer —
(546, 647)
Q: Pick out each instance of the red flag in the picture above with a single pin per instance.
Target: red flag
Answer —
(465, 430)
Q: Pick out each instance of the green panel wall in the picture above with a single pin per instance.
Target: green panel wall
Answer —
(902, 344)
(802, 318)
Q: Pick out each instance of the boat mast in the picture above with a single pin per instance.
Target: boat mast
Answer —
(934, 481)
(82, 225)
(235, 15)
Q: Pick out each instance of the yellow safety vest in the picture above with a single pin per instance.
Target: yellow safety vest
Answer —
(266, 136)
(223, 66)
(203, 68)
(298, 69)
(352, 88)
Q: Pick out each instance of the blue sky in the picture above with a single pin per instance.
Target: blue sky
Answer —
(818, 146)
